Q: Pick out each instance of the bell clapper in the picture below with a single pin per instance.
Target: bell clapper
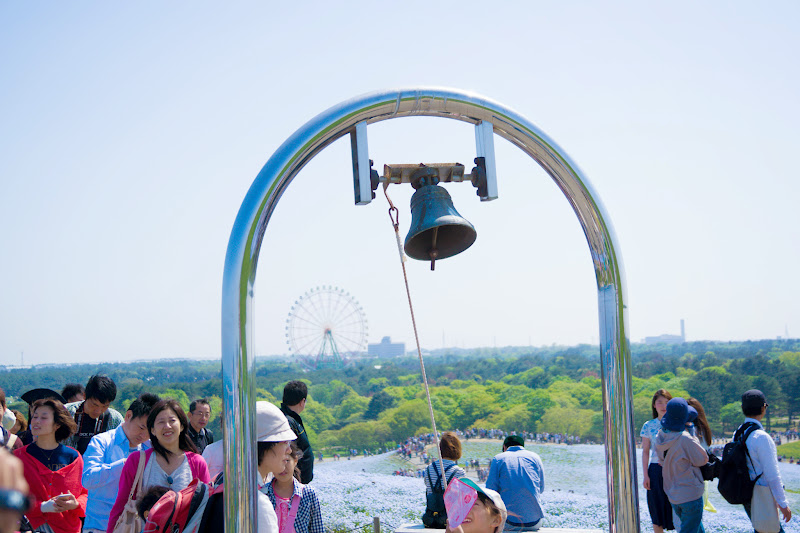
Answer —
(434, 252)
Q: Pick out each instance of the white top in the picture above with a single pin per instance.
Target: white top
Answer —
(154, 475)
(765, 459)
(267, 519)
(214, 459)
(650, 431)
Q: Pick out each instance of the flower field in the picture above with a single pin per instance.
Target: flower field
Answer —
(353, 492)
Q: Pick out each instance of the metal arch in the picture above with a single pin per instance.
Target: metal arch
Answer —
(257, 208)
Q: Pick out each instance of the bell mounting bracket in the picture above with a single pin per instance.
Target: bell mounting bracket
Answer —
(366, 179)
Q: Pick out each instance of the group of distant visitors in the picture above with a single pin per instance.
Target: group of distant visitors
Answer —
(87, 468)
(678, 465)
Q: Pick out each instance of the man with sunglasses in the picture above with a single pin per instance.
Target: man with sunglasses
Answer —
(763, 457)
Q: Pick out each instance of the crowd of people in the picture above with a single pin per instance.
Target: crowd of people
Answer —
(676, 446)
(84, 467)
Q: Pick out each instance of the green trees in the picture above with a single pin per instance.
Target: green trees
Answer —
(554, 388)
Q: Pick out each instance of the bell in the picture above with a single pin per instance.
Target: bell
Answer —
(437, 230)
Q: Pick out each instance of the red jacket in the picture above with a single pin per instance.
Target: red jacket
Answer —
(44, 484)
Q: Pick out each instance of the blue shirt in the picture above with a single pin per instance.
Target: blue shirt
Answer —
(102, 467)
(517, 475)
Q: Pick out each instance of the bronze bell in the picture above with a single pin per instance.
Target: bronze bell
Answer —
(437, 230)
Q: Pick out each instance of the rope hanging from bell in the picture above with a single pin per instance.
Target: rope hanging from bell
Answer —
(394, 216)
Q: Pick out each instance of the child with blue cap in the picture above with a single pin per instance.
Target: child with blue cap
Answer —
(681, 456)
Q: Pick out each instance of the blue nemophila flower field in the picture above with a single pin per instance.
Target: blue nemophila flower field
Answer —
(353, 492)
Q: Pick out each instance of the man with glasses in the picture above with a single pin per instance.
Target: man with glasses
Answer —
(199, 415)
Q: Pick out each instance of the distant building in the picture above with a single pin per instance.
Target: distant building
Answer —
(387, 348)
(668, 339)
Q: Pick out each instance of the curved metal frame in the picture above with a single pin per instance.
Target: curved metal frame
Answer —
(257, 208)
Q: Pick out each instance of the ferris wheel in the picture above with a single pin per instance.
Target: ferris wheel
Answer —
(325, 326)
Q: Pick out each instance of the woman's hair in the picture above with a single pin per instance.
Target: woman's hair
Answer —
(23, 424)
(296, 454)
(450, 446)
(66, 425)
(184, 442)
(494, 511)
(701, 421)
(663, 393)
(149, 499)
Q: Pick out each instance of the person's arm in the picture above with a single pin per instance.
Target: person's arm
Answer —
(768, 457)
(125, 484)
(695, 451)
(541, 473)
(12, 479)
(199, 467)
(645, 462)
(492, 479)
(96, 472)
(426, 477)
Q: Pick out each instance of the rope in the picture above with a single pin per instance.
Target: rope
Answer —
(394, 216)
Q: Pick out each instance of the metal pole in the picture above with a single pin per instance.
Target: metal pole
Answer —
(251, 223)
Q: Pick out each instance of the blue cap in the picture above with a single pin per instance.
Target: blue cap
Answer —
(677, 415)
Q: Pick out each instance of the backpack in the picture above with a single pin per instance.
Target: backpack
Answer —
(435, 513)
(180, 511)
(735, 484)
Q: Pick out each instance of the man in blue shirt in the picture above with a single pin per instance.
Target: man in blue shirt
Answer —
(518, 475)
(104, 458)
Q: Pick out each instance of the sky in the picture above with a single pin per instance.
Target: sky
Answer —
(130, 134)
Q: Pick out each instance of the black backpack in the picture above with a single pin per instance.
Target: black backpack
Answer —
(435, 513)
(735, 484)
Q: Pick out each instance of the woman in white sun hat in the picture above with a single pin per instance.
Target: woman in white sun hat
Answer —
(273, 435)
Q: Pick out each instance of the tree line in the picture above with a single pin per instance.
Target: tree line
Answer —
(376, 403)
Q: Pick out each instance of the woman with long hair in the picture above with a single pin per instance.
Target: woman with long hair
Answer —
(53, 471)
(701, 428)
(653, 482)
(171, 462)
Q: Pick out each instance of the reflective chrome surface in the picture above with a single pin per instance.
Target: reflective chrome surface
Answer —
(275, 177)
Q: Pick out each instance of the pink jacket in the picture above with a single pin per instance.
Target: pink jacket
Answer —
(196, 464)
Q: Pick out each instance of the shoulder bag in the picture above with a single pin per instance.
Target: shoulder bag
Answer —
(764, 511)
(129, 521)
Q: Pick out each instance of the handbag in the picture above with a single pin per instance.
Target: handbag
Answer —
(710, 470)
(764, 511)
(129, 521)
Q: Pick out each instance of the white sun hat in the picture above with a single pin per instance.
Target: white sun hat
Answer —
(271, 424)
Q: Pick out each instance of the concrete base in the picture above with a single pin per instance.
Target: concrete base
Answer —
(419, 528)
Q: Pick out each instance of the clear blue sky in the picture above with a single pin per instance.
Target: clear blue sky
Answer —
(130, 133)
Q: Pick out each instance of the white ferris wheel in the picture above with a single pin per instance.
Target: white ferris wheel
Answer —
(326, 326)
